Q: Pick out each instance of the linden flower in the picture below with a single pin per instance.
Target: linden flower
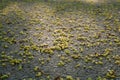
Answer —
(69, 77)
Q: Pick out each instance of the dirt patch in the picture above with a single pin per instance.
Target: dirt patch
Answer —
(59, 40)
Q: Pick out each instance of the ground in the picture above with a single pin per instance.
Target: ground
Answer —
(60, 40)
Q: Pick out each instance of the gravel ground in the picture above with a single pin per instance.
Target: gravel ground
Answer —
(60, 40)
